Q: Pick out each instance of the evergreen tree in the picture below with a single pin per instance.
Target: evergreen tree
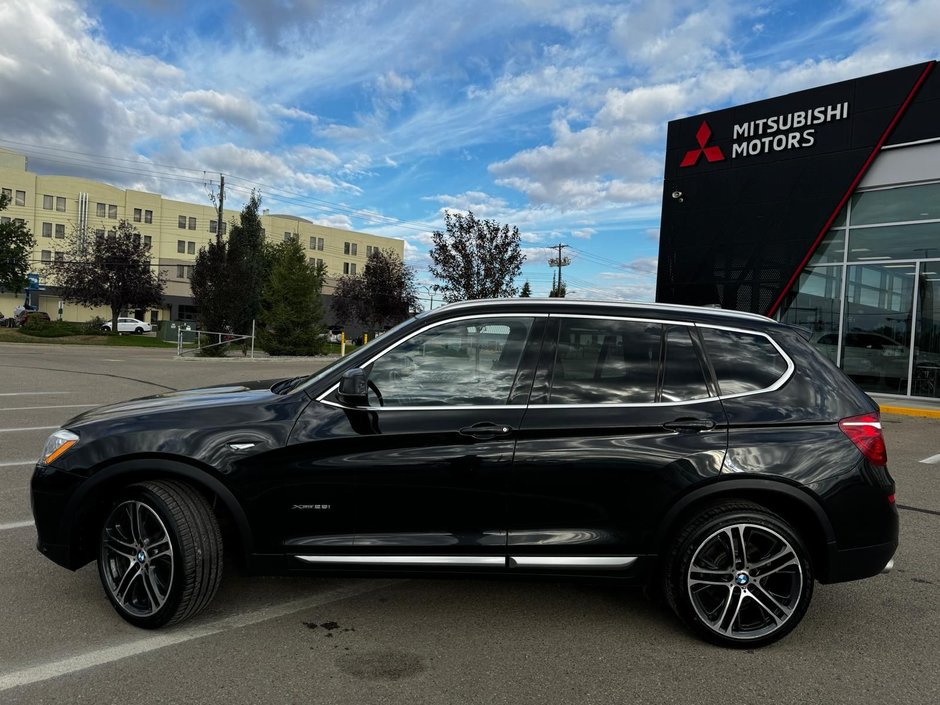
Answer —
(291, 313)
(526, 290)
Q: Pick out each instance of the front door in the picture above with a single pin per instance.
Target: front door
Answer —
(432, 452)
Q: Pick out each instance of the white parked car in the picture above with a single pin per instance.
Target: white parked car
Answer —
(129, 325)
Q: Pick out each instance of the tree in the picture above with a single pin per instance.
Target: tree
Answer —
(476, 259)
(526, 290)
(558, 290)
(291, 313)
(16, 246)
(246, 267)
(382, 296)
(112, 269)
(228, 276)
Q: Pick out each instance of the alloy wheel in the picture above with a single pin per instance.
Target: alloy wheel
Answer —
(745, 581)
(137, 558)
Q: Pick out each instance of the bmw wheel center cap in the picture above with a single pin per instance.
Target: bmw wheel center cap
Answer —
(742, 579)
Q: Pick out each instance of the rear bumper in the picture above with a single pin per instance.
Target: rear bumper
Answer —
(858, 563)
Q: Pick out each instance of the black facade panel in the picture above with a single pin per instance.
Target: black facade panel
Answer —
(738, 223)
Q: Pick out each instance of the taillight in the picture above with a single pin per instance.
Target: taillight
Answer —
(865, 432)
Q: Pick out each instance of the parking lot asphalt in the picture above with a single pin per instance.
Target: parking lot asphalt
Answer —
(311, 640)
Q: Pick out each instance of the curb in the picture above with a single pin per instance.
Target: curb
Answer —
(909, 411)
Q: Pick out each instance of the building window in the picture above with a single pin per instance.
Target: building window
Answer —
(316, 243)
(148, 216)
(46, 255)
(60, 230)
(8, 193)
(349, 268)
(148, 240)
(59, 256)
(112, 211)
(287, 237)
(4, 220)
(192, 223)
(137, 215)
(319, 262)
(99, 233)
(47, 229)
(20, 198)
(214, 226)
(47, 202)
(182, 222)
(369, 250)
(191, 248)
(181, 246)
(320, 244)
(19, 221)
(184, 271)
(60, 204)
(100, 210)
(350, 248)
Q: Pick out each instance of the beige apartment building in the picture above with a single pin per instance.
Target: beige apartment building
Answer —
(55, 206)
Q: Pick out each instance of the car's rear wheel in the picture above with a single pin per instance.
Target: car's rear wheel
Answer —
(160, 553)
(138, 330)
(739, 575)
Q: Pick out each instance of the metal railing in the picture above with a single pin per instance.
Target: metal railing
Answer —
(221, 338)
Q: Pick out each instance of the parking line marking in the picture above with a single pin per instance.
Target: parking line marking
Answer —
(17, 525)
(932, 460)
(99, 657)
(17, 463)
(60, 406)
(29, 394)
(27, 428)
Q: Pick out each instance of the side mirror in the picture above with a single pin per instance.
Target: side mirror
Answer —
(354, 387)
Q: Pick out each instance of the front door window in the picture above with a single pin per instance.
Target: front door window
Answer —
(459, 363)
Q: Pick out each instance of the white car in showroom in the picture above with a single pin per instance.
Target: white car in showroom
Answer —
(129, 325)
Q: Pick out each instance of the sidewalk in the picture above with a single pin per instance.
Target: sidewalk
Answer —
(908, 406)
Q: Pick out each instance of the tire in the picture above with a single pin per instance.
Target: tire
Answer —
(738, 575)
(160, 553)
(138, 330)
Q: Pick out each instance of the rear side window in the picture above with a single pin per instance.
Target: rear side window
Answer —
(600, 361)
(743, 362)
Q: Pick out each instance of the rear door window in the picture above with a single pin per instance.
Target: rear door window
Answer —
(606, 361)
(683, 374)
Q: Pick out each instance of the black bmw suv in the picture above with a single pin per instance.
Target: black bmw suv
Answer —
(712, 455)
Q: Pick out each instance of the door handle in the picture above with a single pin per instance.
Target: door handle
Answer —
(486, 430)
(689, 425)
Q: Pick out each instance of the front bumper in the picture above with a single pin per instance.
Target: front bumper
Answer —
(50, 492)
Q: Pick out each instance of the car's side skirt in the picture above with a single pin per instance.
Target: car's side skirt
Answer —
(456, 561)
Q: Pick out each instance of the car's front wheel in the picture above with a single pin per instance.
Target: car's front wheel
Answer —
(160, 553)
(138, 330)
(739, 575)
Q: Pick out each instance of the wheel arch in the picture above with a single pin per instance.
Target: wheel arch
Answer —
(88, 505)
(799, 508)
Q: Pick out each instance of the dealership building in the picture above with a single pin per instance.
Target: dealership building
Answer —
(822, 209)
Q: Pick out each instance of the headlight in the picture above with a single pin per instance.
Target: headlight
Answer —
(57, 444)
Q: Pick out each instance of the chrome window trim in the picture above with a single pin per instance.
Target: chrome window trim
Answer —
(429, 326)
(783, 379)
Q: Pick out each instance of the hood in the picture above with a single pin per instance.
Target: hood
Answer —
(186, 400)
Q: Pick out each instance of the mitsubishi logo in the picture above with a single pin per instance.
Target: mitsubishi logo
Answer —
(712, 154)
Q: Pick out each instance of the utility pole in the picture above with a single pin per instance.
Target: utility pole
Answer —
(218, 228)
(559, 261)
(219, 202)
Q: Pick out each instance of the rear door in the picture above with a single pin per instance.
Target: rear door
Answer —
(622, 417)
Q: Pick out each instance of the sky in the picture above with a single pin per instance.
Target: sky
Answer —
(382, 115)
